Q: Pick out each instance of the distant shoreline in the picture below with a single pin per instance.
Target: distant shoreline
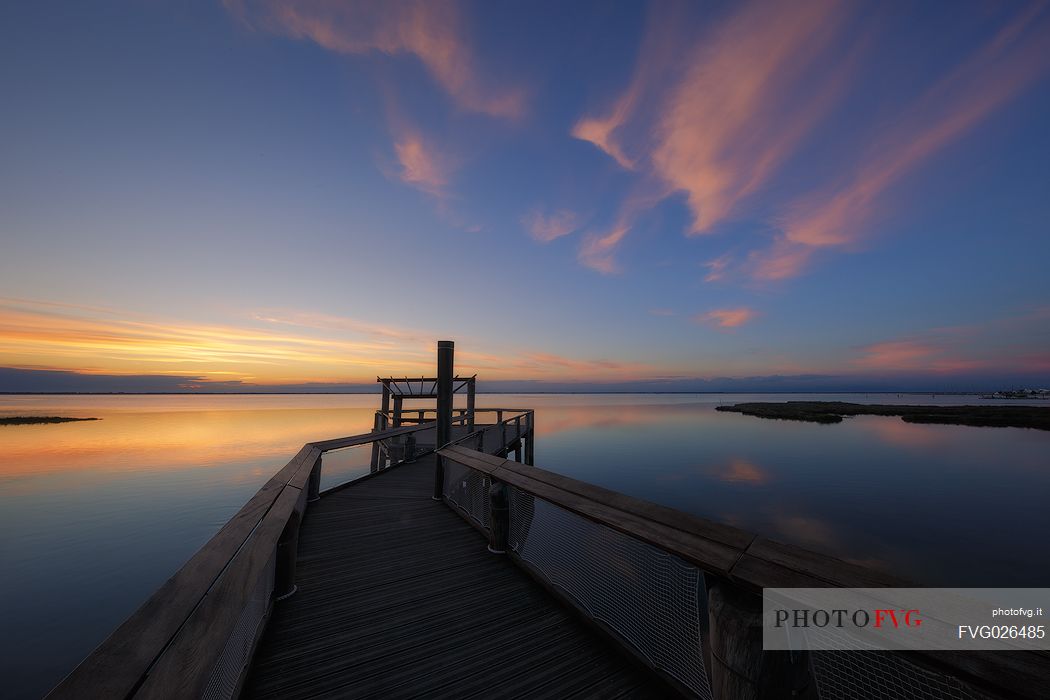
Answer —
(39, 420)
(1037, 417)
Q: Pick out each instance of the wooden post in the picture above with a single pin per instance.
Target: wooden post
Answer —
(470, 406)
(445, 363)
(374, 464)
(385, 407)
(399, 401)
(287, 553)
(530, 448)
(740, 669)
(499, 518)
(313, 488)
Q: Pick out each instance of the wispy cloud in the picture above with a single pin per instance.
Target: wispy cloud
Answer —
(999, 344)
(433, 32)
(598, 250)
(749, 96)
(547, 227)
(717, 267)
(329, 322)
(421, 164)
(841, 213)
(715, 117)
(726, 318)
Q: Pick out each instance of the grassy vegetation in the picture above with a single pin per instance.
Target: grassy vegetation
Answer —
(1037, 417)
(34, 420)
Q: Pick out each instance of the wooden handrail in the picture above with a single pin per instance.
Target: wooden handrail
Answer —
(746, 560)
(119, 666)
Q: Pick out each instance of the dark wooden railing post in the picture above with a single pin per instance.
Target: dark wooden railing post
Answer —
(376, 427)
(444, 410)
(385, 406)
(399, 402)
(313, 488)
(287, 554)
(470, 406)
(499, 517)
(740, 669)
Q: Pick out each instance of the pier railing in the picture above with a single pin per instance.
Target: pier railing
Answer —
(683, 593)
(194, 637)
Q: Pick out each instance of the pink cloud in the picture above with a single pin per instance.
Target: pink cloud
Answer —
(726, 318)
(782, 260)
(421, 164)
(915, 355)
(598, 251)
(840, 214)
(599, 131)
(546, 228)
(717, 268)
(736, 114)
(729, 113)
(431, 31)
(714, 118)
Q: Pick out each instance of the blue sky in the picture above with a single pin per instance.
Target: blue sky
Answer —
(644, 194)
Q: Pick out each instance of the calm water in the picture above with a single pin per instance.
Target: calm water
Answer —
(95, 516)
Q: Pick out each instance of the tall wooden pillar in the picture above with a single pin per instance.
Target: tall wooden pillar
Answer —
(399, 401)
(386, 404)
(444, 410)
(470, 406)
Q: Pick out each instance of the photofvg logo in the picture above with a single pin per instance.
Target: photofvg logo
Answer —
(841, 617)
(905, 618)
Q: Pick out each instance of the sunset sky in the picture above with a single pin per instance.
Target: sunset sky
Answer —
(697, 195)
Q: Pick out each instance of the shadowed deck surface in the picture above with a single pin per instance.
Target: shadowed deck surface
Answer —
(398, 597)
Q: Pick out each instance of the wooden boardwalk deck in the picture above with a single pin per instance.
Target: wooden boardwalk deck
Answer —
(398, 597)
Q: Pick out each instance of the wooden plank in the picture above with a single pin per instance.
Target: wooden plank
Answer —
(186, 666)
(831, 570)
(301, 477)
(706, 554)
(287, 471)
(485, 463)
(754, 574)
(727, 534)
(118, 665)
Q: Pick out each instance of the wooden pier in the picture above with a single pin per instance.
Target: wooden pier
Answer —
(458, 568)
(413, 605)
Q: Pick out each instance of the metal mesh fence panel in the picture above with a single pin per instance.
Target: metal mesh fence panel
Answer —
(468, 490)
(222, 685)
(650, 598)
(863, 672)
